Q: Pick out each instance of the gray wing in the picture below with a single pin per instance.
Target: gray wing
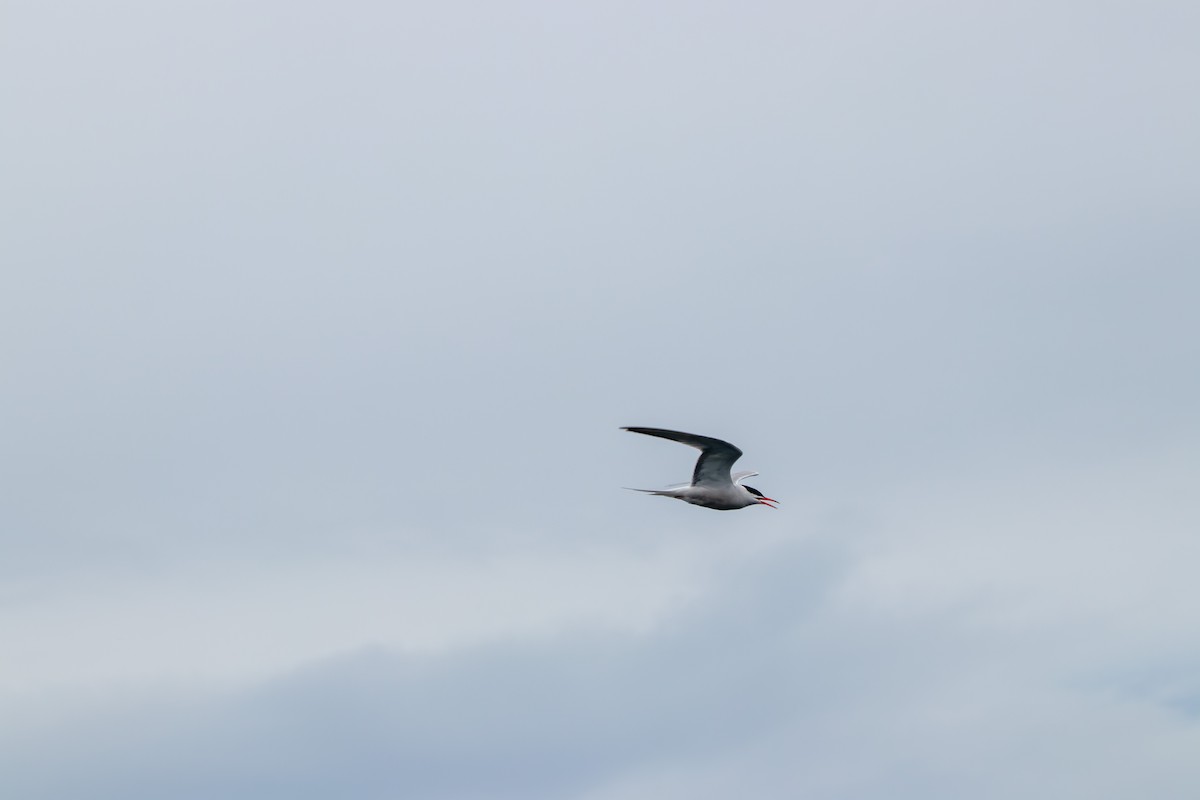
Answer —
(716, 456)
(738, 477)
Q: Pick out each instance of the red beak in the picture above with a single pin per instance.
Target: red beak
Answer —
(766, 501)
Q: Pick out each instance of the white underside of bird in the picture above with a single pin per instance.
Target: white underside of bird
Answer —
(712, 484)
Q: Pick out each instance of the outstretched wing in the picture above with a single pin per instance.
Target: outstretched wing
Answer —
(716, 456)
(738, 477)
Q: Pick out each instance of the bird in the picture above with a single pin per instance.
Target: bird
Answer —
(712, 486)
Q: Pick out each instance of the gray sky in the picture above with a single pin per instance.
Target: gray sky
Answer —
(317, 323)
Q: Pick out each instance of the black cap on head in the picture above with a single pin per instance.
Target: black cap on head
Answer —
(752, 490)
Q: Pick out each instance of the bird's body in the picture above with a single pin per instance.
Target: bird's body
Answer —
(712, 484)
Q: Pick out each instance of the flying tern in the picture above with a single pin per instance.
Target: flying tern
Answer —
(712, 486)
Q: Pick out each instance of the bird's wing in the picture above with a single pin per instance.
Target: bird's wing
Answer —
(716, 456)
(738, 477)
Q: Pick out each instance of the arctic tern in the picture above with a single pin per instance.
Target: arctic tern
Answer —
(712, 485)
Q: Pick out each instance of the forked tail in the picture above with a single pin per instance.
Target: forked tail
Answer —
(659, 492)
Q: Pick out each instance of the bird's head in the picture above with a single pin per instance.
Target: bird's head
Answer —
(759, 497)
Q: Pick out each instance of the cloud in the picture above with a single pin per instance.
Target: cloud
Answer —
(323, 319)
(819, 665)
(543, 717)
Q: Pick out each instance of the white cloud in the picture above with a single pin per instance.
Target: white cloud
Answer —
(918, 656)
(317, 323)
(223, 620)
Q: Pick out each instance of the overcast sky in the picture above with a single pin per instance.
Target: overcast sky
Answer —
(318, 322)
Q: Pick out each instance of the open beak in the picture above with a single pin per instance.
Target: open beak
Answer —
(766, 501)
